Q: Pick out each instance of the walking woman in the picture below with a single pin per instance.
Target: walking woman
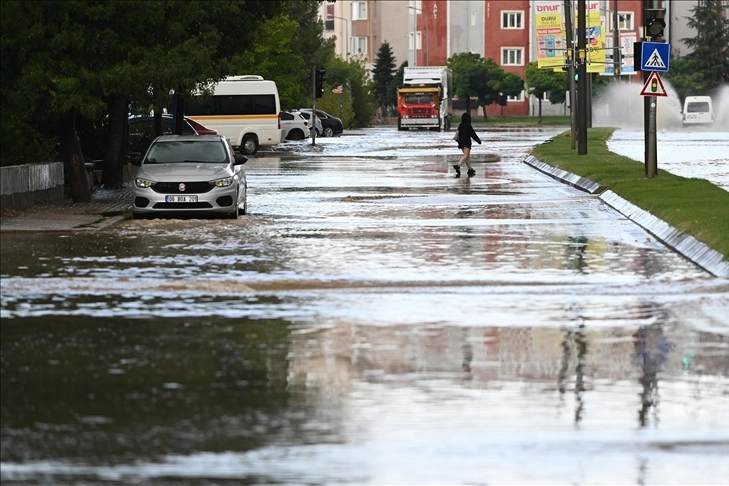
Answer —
(465, 134)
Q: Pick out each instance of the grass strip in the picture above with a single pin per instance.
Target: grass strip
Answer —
(517, 121)
(693, 206)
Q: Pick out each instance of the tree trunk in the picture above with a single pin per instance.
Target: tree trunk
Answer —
(73, 159)
(115, 157)
(540, 111)
(485, 115)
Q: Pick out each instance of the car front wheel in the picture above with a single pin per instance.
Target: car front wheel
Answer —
(295, 135)
(328, 132)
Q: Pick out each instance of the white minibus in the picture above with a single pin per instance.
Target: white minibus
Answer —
(698, 110)
(245, 109)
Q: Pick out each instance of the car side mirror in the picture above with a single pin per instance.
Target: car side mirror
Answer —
(240, 159)
(135, 160)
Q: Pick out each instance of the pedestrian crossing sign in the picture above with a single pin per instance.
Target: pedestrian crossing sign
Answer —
(654, 86)
(655, 56)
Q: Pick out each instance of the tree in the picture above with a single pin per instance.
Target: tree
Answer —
(546, 81)
(65, 61)
(706, 67)
(490, 88)
(358, 99)
(382, 75)
(272, 57)
(309, 43)
(469, 73)
(511, 85)
(397, 81)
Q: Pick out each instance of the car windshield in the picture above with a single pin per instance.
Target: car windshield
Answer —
(170, 152)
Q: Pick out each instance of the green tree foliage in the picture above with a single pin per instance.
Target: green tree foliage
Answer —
(489, 89)
(273, 58)
(383, 74)
(469, 72)
(397, 81)
(358, 99)
(706, 67)
(95, 59)
(546, 81)
(511, 85)
(310, 45)
(482, 79)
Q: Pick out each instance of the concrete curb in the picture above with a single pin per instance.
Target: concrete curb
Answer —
(693, 250)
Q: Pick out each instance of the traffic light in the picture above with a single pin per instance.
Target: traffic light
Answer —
(321, 76)
(654, 85)
(654, 27)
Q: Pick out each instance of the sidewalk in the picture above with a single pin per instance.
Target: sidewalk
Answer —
(108, 206)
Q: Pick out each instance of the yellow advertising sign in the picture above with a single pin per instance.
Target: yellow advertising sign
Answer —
(550, 34)
(595, 40)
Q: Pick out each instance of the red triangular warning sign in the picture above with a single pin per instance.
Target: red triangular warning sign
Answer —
(653, 86)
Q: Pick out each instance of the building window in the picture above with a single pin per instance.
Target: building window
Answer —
(359, 45)
(625, 20)
(415, 41)
(512, 20)
(515, 99)
(359, 10)
(329, 21)
(512, 56)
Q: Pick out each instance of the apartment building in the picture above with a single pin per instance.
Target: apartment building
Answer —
(428, 32)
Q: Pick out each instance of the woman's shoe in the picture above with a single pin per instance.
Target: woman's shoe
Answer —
(458, 169)
(471, 172)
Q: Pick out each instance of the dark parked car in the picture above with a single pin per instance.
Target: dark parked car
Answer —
(141, 131)
(331, 125)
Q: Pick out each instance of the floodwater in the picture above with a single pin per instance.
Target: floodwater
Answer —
(373, 320)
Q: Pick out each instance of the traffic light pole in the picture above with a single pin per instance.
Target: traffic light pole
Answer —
(313, 112)
(581, 79)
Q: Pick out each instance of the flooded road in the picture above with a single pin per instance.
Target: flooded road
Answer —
(372, 320)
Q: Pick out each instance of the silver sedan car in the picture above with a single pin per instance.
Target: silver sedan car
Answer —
(190, 174)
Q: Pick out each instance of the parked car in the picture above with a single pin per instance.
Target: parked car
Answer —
(294, 126)
(141, 130)
(319, 127)
(331, 124)
(190, 174)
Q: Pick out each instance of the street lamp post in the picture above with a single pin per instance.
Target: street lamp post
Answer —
(347, 40)
(427, 37)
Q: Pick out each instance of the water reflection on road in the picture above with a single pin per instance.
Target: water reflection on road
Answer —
(372, 321)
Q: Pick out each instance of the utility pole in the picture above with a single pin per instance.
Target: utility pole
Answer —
(650, 103)
(646, 99)
(581, 79)
(617, 60)
(570, 58)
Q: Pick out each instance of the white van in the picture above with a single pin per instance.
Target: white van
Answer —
(698, 110)
(245, 109)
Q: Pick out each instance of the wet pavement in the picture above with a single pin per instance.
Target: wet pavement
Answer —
(372, 320)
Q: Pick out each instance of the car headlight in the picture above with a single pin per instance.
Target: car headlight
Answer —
(144, 183)
(222, 182)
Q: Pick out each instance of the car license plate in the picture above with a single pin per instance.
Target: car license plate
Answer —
(181, 199)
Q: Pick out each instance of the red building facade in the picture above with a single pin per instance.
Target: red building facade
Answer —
(506, 30)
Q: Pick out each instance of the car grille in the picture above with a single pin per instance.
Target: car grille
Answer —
(174, 187)
(182, 206)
